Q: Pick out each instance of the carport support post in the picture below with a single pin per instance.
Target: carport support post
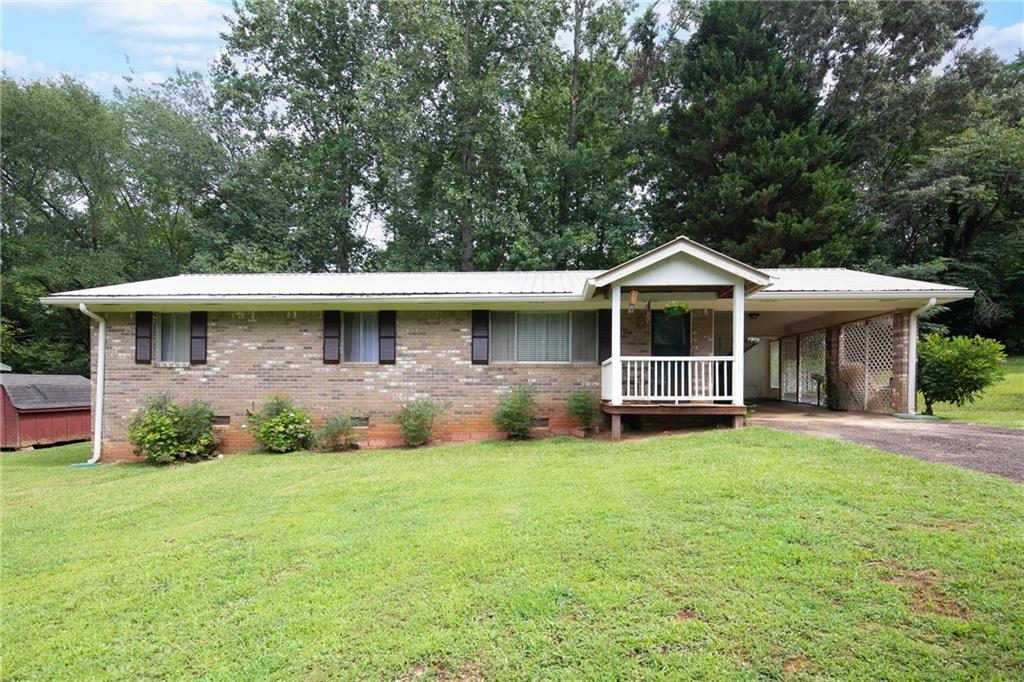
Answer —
(738, 341)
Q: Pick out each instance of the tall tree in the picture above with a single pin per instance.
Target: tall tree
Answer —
(458, 166)
(745, 165)
(298, 76)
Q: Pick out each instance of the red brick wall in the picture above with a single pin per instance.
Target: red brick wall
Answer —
(255, 354)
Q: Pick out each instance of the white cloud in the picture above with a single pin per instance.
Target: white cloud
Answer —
(19, 66)
(1005, 41)
(182, 35)
(104, 82)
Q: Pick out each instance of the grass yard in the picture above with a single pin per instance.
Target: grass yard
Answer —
(746, 554)
(1000, 405)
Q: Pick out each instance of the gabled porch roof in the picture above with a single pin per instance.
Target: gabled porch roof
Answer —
(685, 249)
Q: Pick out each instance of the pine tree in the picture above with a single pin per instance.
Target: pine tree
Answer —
(745, 166)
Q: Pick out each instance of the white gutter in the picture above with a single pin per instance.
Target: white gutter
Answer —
(97, 430)
(912, 356)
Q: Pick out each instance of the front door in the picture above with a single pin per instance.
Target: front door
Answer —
(670, 333)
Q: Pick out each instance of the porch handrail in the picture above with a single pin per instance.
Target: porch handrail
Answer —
(674, 357)
(674, 378)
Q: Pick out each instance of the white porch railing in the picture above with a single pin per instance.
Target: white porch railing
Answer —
(669, 379)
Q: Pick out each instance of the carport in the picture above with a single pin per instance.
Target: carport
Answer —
(819, 326)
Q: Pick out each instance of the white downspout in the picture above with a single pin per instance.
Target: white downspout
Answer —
(912, 356)
(97, 429)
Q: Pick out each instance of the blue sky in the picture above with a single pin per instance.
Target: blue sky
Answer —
(101, 42)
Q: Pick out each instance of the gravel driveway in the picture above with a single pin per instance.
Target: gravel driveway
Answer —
(989, 449)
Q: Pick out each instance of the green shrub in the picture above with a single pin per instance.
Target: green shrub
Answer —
(833, 400)
(337, 433)
(584, 408)
(514, 414)
(957, 369)
(416, 421)
(164, 431)
(282, 427)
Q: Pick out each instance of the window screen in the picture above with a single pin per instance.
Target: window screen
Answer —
(361, 343)
(773, 364)
(542, 337)
(584, 336)
(175, 329)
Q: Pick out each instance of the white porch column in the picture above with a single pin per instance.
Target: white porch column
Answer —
(739, 339)
(616, 344)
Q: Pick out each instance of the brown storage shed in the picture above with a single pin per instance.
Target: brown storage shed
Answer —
(42, 409)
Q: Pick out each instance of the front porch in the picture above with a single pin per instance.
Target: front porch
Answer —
(678, 371)
(740, 343)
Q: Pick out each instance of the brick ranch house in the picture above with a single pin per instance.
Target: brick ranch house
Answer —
(667, 333)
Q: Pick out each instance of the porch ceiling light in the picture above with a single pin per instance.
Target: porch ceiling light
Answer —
(633, 296)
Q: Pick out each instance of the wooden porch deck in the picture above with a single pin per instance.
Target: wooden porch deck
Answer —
(688, 409)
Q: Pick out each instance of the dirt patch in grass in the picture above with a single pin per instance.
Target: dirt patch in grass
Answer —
(924, 597)
(794, 666)
(683, 615)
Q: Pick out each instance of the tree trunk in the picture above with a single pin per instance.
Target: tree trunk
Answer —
(343, 254)
(466, 159)
(928, 407)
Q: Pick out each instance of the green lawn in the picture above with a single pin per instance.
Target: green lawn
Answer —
(745, 554)
(1000, 405)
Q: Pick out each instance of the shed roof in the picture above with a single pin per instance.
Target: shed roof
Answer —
(47, 391)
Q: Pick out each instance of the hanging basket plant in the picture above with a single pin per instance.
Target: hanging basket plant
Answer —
(676, 308)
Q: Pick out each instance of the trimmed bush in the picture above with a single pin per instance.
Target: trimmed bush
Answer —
(957, 369)
(514, 414)
(282, 427)
(584, 408)
(164, 431)
(416, 421)
(337, 433)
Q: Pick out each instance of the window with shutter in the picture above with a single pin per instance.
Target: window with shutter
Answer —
(386, 324)
(480, 337)
(197, 340)
(143, 338)
(362, 341)
(173, 337)
(332, 337)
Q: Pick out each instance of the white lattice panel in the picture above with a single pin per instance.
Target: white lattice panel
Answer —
(812, 361)
(879, 364)
(866, 365)
(852, 347)
(789, 369)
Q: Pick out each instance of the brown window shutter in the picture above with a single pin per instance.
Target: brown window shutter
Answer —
(480, 331)
(332, 337)
(604, 335)
(143, 338)
(386, 328)
(197, 346)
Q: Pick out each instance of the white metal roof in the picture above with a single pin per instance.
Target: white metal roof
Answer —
(843, 281)
(809, 283)
(346, 285)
